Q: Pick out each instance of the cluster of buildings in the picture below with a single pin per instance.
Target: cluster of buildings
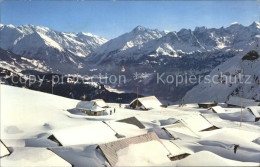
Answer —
(250, 105)
(98, 107)
(111, 136)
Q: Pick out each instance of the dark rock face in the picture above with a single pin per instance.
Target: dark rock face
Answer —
(252, 55)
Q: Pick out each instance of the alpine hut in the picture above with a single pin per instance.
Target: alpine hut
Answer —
(255, 110)
(179, 130)
(141, 143)
(197, 123)
(217, 109)
(133, 121)
(146, 103)
(207, 104)
(89, 108)
(93, 133)
(235, 101)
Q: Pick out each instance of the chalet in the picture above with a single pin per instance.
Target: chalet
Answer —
(217, 109)
(177, 152)
(146, 103)
(93, 133)
(123, 130)
(100, 103)
(133, 121)
(109, 150)
(89, 108)
(235, 101)
(207, 104)
(4, 150)
(179, 130)
(198, 123)
(255, 110)
(171, 151)
(127, 127)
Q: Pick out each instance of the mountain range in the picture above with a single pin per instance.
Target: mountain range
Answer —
(142, 50)
(53, 51)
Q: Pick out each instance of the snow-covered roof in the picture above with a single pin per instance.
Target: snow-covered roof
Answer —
(33, 156)
(255, 110)
(93, 133)
(196, 122)
(218, 109)
(179, 128)
(148, 102)
(150, 153)
(100, 103)
(4, 150)
(88, 105)
(236, 101)
(125, 129)
(133, 121)
(231, 136)
(175, 148)
(110, 150)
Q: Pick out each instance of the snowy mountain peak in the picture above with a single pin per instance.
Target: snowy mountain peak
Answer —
(171, 36)
(91, 35)
(234, 23)
(139, 28)
(142, 41)
(255, 24)
(80, 44)
(235, 26)
(10, 26)
(119, 46)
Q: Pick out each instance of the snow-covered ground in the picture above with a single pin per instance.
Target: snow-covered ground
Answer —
(29, 118)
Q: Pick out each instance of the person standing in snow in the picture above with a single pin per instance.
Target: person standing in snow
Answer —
(110, 112)
(83, 97)
(235, 148)
(71, 95)
(114, 110)
(182, 102)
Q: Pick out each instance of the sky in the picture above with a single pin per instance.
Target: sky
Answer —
(110, 19)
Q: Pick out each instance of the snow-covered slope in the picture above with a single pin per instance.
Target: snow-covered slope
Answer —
(237, 76)
(29, 118)
(16, 63)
